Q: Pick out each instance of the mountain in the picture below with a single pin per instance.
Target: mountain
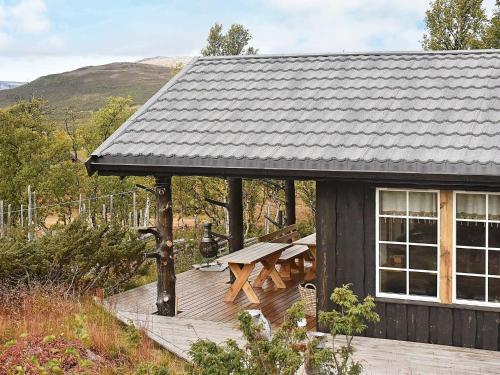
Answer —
(86, 89)
(5, 85)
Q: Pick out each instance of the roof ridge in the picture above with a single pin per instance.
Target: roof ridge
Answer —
(370, 53)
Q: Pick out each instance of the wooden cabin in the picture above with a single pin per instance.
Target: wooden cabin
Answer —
(405, 151)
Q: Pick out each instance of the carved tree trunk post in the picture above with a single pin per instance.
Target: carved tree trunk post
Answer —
(166, 299)
(290, 202)
(235, 210)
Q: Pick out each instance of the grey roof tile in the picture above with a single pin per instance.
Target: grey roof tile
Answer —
(432, 113)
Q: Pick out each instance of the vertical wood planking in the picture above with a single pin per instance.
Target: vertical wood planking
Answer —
(326, 223)
(468, 319)
(369, 240)
(422, 324)
(490, 324)
(445, 326)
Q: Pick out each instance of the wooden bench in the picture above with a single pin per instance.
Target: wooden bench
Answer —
(292, 257)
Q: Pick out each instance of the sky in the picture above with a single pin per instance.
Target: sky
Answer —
(39, 37)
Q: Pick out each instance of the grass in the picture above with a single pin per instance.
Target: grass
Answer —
(44, 332)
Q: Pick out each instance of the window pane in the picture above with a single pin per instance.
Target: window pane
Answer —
(423, 231)
(392, 229)
(392, 202)
(423, 258)
(423, 284)
(471, 206)
(494, 207)
(393, 281)
(471, 260)
(392, 255)
(470, 287)
(493, 290)
(494, 262)
(494, 235)
(422, 204)
(471, 233)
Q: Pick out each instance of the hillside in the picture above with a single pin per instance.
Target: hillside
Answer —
(169, 62)
(86, 89)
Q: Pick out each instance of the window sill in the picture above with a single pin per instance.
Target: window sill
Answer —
(398, 301)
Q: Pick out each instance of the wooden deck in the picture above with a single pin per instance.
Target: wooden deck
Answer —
(201, 296)
(204, 314)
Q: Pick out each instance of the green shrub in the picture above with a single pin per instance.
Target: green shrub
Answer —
(75, 255)
(290, 347)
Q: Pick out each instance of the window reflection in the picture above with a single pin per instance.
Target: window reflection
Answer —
(423, 258)
(471, 260)
(423, 284)
(470, 287)
(392, 255)
(493, 290)
(392, 229)
(494, 235)
(494, 262)
(423, 231)
(393, 281)
(471, 233)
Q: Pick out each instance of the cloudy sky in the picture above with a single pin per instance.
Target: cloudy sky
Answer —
(39, 37)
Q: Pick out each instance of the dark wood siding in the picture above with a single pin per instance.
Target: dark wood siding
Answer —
(345, 223)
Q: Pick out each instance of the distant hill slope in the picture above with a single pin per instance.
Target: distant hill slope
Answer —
(170, 62)
(86, 89)
(5, 85)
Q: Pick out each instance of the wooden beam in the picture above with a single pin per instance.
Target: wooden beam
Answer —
(290, 202)
(166, 298)
(446, 246)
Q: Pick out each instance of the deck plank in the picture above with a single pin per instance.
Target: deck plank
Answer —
(204, 314)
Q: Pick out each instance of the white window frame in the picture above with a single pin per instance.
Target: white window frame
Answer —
(407, 296)
(486, 249)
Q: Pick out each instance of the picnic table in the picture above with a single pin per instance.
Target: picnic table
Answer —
(310, 241)
(242, 263)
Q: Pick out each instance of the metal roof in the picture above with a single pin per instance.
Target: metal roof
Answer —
(392, 112)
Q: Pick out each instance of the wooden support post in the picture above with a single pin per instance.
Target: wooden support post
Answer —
(235, 211)
(166, 298)
(446, 247)
(290, 202)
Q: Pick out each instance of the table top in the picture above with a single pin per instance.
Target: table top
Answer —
(254, 253)
(308, 240)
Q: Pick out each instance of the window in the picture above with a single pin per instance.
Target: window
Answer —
(477, 248)
(407, 244)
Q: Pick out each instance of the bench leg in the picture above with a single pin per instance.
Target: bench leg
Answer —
(286, 270)
(300, 265)
(269, 270)
(241, 282)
